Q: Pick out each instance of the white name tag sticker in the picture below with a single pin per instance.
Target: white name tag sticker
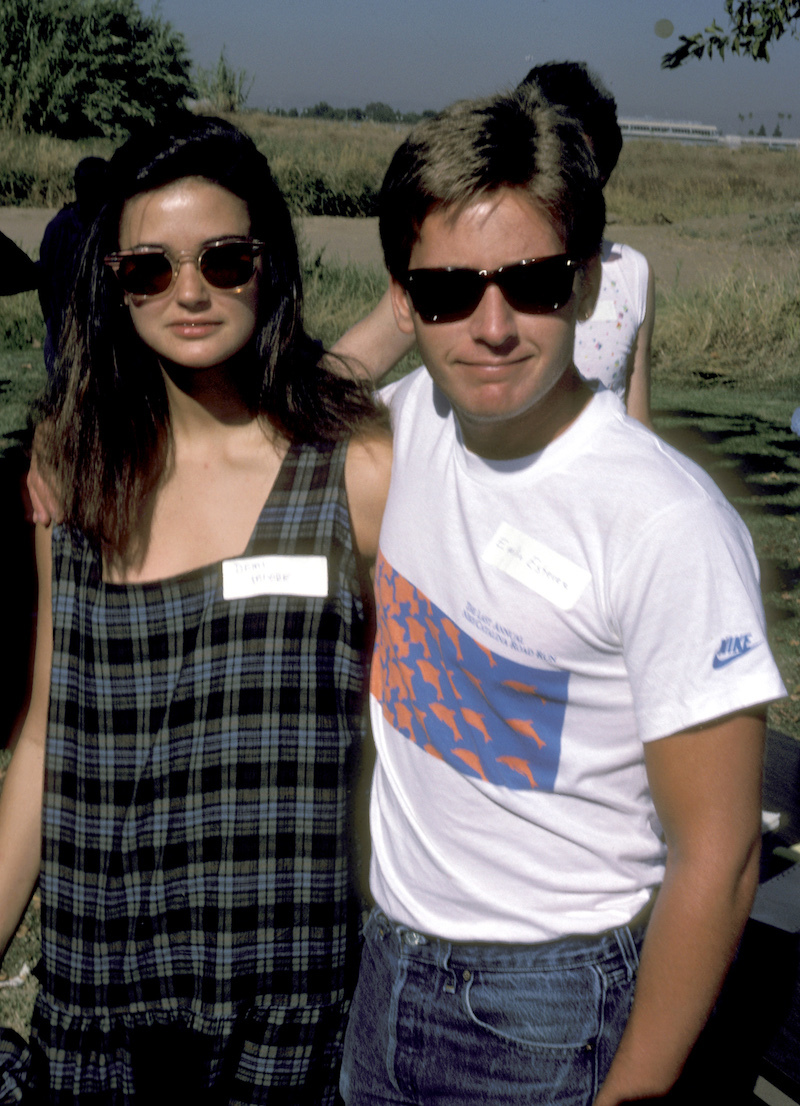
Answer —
(275, 575)
(605, 312)
(531, 563)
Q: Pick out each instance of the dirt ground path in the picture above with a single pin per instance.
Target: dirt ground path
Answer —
(684, 255)
(344, 239)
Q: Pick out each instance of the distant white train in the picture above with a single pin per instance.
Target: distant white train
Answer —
(666, 130)
(703, 134)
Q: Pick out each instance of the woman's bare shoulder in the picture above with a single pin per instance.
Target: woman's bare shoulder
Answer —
(368, 471)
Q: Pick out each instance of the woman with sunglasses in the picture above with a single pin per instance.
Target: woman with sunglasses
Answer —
(192, 744)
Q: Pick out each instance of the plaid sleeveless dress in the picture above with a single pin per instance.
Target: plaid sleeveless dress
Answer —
(197, 914)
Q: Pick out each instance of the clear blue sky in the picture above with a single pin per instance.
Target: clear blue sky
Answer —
(417, 54)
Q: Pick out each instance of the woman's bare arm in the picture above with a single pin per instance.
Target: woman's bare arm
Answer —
(637, 395)
(368, 469)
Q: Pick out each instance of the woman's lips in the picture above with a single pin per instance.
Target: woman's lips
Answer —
(193, 330)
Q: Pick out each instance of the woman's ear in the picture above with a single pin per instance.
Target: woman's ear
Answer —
(590, 277)
(401, 306)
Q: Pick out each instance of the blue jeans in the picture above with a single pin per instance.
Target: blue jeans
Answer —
(438, 1022)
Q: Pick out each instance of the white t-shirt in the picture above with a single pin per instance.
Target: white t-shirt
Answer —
(537, 621)
(604, 341)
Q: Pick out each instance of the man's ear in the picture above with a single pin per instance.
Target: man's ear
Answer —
(590, 277)
(401, 307)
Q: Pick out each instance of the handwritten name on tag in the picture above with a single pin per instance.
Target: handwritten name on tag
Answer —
(275, 575)
(531, 563)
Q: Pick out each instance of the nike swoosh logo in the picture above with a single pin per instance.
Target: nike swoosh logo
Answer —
(720, 662)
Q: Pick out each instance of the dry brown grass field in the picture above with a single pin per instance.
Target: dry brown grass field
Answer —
(335, 168)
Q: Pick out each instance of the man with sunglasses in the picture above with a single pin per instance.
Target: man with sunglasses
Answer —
(569, 668)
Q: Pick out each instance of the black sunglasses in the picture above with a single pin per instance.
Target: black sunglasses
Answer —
(535, 287)
(227, 263)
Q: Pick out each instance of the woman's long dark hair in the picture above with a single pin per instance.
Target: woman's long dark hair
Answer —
(106, 419)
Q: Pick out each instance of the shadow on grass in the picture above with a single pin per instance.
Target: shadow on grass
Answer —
(755, 462)
(697, 441)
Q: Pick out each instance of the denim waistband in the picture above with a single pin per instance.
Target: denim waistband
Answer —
(621, 943)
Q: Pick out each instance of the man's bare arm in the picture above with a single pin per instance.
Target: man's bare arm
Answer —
(706, 786)
(637, 396)
(375, 344)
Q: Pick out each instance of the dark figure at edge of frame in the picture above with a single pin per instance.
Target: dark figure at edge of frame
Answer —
(62, 247)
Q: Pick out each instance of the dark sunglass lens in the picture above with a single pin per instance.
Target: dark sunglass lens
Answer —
(145, 274)
(444, 297)
(441, 296)
(539, 287)
(228, 266)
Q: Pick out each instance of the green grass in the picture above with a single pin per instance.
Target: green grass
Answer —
(336, 295)
(22, 377)
(325, 168)
(38, 171)
(781, 228)
(21, 322)
(742, 328)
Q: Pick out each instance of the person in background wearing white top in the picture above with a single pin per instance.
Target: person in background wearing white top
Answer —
(570, 666)
(612, 343)
(612, 346)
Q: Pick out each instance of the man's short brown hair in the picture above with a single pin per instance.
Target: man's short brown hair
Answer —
(473, 148)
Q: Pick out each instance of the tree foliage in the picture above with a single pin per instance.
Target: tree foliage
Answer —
(377, 112)
(754, 25)
(223, 88)
(80, 68)
(381, 113)
(323, 110)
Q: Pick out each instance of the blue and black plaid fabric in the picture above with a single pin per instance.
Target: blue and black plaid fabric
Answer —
(196, 856)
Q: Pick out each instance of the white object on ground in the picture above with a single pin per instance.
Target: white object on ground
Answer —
(19, 979)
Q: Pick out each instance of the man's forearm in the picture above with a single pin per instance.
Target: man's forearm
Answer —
(374, 344)
(692, 937)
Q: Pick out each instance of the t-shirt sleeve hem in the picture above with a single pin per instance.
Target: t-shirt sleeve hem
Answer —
(754, 691)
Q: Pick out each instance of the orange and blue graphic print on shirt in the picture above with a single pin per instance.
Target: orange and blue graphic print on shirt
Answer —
(483, 714)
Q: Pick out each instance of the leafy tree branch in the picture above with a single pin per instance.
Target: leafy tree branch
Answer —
(754, 26)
